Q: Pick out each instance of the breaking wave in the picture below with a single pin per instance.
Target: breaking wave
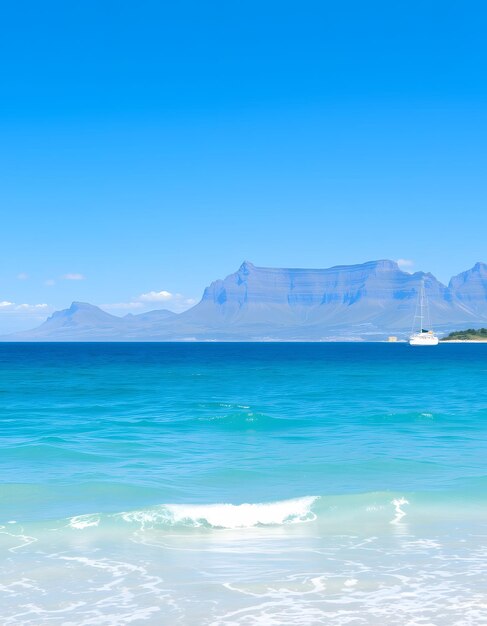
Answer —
(334, 510)
(219, 516)
(292, 511)
(336, 513)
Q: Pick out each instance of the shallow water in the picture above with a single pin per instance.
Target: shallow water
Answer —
(243, 484)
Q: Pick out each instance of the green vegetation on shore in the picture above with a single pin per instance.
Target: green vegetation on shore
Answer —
(467, 335)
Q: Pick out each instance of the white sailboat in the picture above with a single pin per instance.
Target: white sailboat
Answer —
(422, 337)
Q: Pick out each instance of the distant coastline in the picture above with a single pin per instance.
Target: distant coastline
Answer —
(463, 340)
(470, 335)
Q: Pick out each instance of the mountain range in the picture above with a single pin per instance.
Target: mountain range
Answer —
(347, 302)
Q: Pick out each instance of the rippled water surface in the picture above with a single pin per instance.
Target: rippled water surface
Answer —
(243, 484)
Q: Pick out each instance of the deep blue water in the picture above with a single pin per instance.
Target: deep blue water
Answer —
(119, 425)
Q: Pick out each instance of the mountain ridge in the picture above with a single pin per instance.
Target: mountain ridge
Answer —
(362, 301)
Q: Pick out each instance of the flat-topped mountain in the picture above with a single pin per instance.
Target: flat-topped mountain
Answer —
(365, 301)
(377, 293)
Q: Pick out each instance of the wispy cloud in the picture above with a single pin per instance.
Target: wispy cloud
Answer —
(73, 277)
(22, 276)
(31, 307)
(405, 264)
(50, 282)
(5, 305)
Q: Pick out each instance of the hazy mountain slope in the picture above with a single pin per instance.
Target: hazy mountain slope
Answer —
(81, 321)
(470, 288)
(148, 324)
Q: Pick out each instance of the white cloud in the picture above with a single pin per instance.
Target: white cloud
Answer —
(73, 277)
(50, 282)
(156, 296)
(22, 276)
(6, 304)
(176, 301)
(405, 264)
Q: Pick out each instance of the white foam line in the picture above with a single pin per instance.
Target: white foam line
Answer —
(318, 584)
(365, 542)
(114, 567)
(27, 540)
(23, 583)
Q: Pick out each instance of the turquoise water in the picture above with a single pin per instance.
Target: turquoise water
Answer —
(243, 484)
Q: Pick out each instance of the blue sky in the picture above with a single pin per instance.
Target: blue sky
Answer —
(149, 148)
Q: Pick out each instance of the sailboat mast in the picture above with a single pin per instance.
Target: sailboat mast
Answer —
(421, 302)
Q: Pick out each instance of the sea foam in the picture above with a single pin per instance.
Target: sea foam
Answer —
(84, 521)
(293, 511)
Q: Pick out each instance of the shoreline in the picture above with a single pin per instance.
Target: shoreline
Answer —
(463, 341)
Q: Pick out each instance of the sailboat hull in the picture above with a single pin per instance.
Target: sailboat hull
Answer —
(423, 339)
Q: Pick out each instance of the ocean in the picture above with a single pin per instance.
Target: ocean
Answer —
(243, 484)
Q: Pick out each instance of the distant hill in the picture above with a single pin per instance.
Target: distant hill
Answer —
(470, 334)
(86, 322)
(359, 302)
